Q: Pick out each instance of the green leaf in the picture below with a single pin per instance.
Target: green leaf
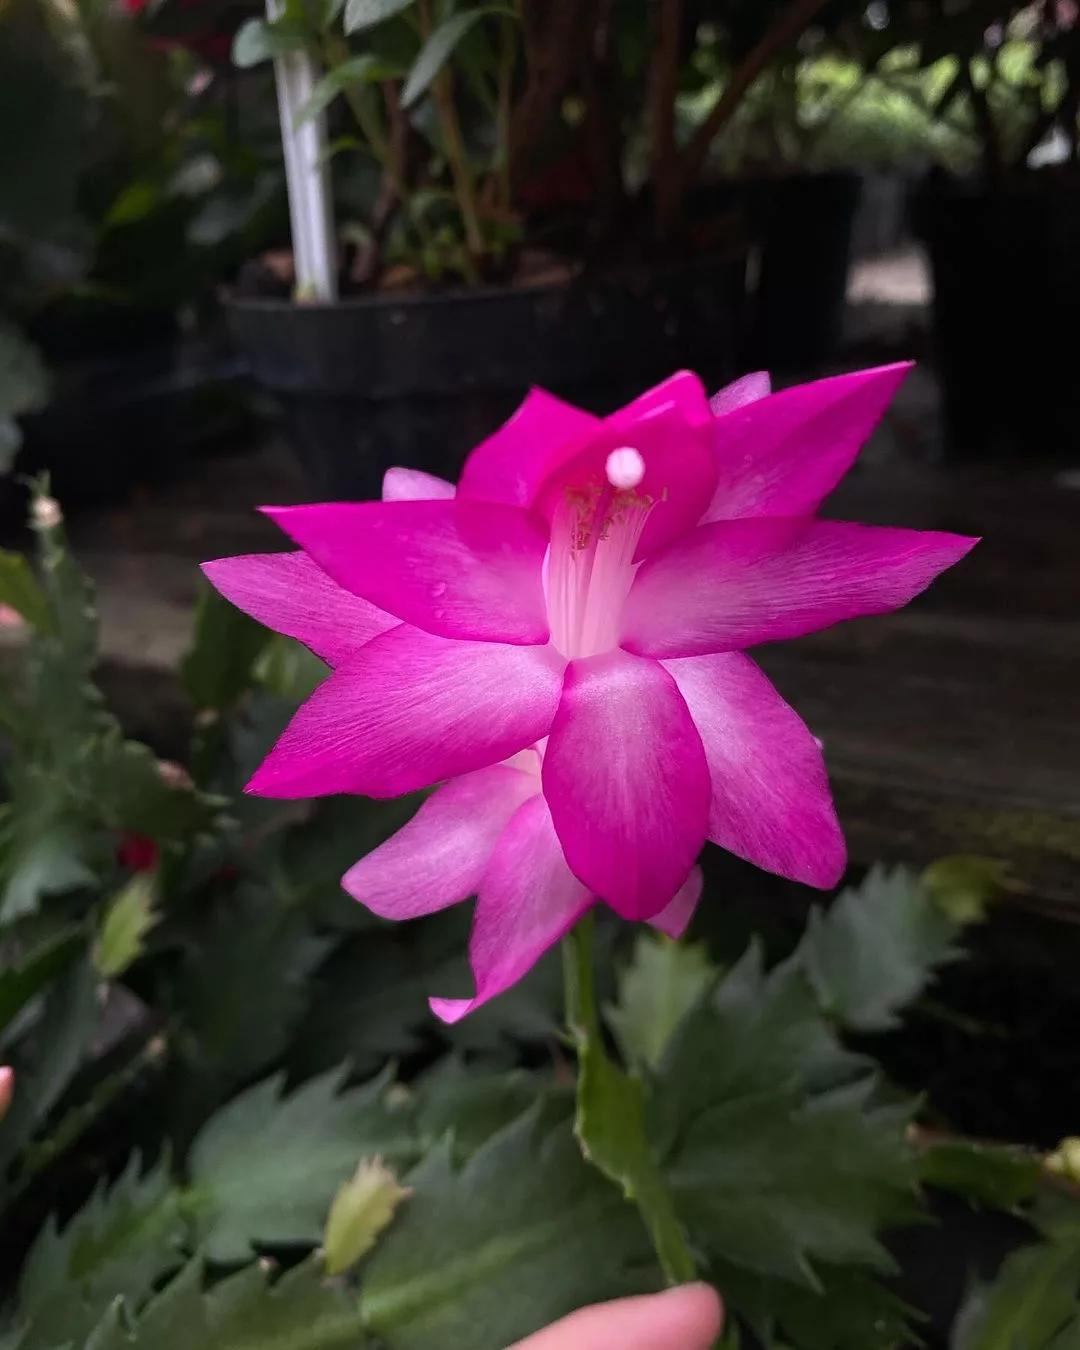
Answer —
(777, 1152)
(436, 51)
(257, 41)
(266, 1167)
(999, 1175)
(24, 382)
(129, 917)
(68, 1022)
(226, 645)
(364, 69)
(874, 949)
(127, 790)
(611, 1129)
(367, 13)
(850, 1311)
(965, 885)
(659, 987)
(1032, 1301)
(19, 589)
(469, 1103)
(299, 1311)
(10, 445)
(523, 1233)
(47, 858)
(120, 1244)
(21, 982)
(286, 669)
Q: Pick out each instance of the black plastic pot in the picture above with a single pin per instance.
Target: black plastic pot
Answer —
(1006, 273)
(128, 419)
(421, 379)
(802, 226)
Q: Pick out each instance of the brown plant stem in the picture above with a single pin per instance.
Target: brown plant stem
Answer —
(786, 29)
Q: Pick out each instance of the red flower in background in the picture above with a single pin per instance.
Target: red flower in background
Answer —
(137, 851)
(211, 44)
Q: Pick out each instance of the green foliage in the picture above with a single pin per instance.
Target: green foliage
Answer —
(1033, 1304)
(258, 40)
(997, 1175)
(120, 1245)
(437, 50)
(658, 988)
(127, 921)
(357, 71)
(226, 643)
(42, 963)
(367, 13)
(483, 1254)
(873, 950)
(363, 1208)
(266, 1167)
(20, 591)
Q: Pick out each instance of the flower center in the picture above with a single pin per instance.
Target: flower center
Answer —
(590, 562)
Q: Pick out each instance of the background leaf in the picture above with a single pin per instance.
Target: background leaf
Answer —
(874, 949)
(656, 990)
(435, 53)
(266, 1168)
(367, 13)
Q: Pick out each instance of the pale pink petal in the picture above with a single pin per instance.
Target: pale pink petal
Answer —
(469, 570)
(680, 472)
(510, 465)
(783, 455)
(289, 593)
(626, 780)
(674, 919)
(439, 857)
(413, 485)
(528, 900)
(682, 392)
(736, 583)
(747, 389)
(771, 802)
(410, 710)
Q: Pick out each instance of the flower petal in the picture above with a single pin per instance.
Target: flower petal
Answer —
(528, 900)
(771, 802)
(469, 570)
(680, 472)
(682, 391)
(747, 389)
(439, 857)
(674, 919)
(510, 465)
(413, 485)
(410, 710)
(783, 455)
(289, 593)
(736, 583)
(626, 780)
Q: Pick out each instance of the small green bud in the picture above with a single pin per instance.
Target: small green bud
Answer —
(363, 1207)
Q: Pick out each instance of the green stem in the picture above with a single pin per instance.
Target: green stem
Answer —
(610, 1122)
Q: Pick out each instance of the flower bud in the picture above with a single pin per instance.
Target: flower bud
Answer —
(363, 1207)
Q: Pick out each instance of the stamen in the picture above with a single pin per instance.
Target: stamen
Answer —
(625, 468)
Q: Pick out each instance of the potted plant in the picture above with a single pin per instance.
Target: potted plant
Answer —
(529, 223)
(1000, 236)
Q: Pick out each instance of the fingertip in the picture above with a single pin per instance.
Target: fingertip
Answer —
(699, 1311)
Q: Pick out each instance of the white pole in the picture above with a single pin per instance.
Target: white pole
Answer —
(311, 208)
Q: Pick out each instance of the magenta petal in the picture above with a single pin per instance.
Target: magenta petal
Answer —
(782, 455)
(413, 485)
(528, 900)
(439, 857)
(771, 802)
(674, 919)
(292, 595)
(626, 780)
(736, 583)
(680, 472)
(469, 570)
(746, 390)
(510, 465)
(410, 710)
(682, 391)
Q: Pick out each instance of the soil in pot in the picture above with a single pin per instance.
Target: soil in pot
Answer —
(1006, 275)
(419, 379)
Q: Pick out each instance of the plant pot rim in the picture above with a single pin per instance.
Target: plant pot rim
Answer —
(484, 292)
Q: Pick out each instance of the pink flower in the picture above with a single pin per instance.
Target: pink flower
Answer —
(490, 834)
(591, 584)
